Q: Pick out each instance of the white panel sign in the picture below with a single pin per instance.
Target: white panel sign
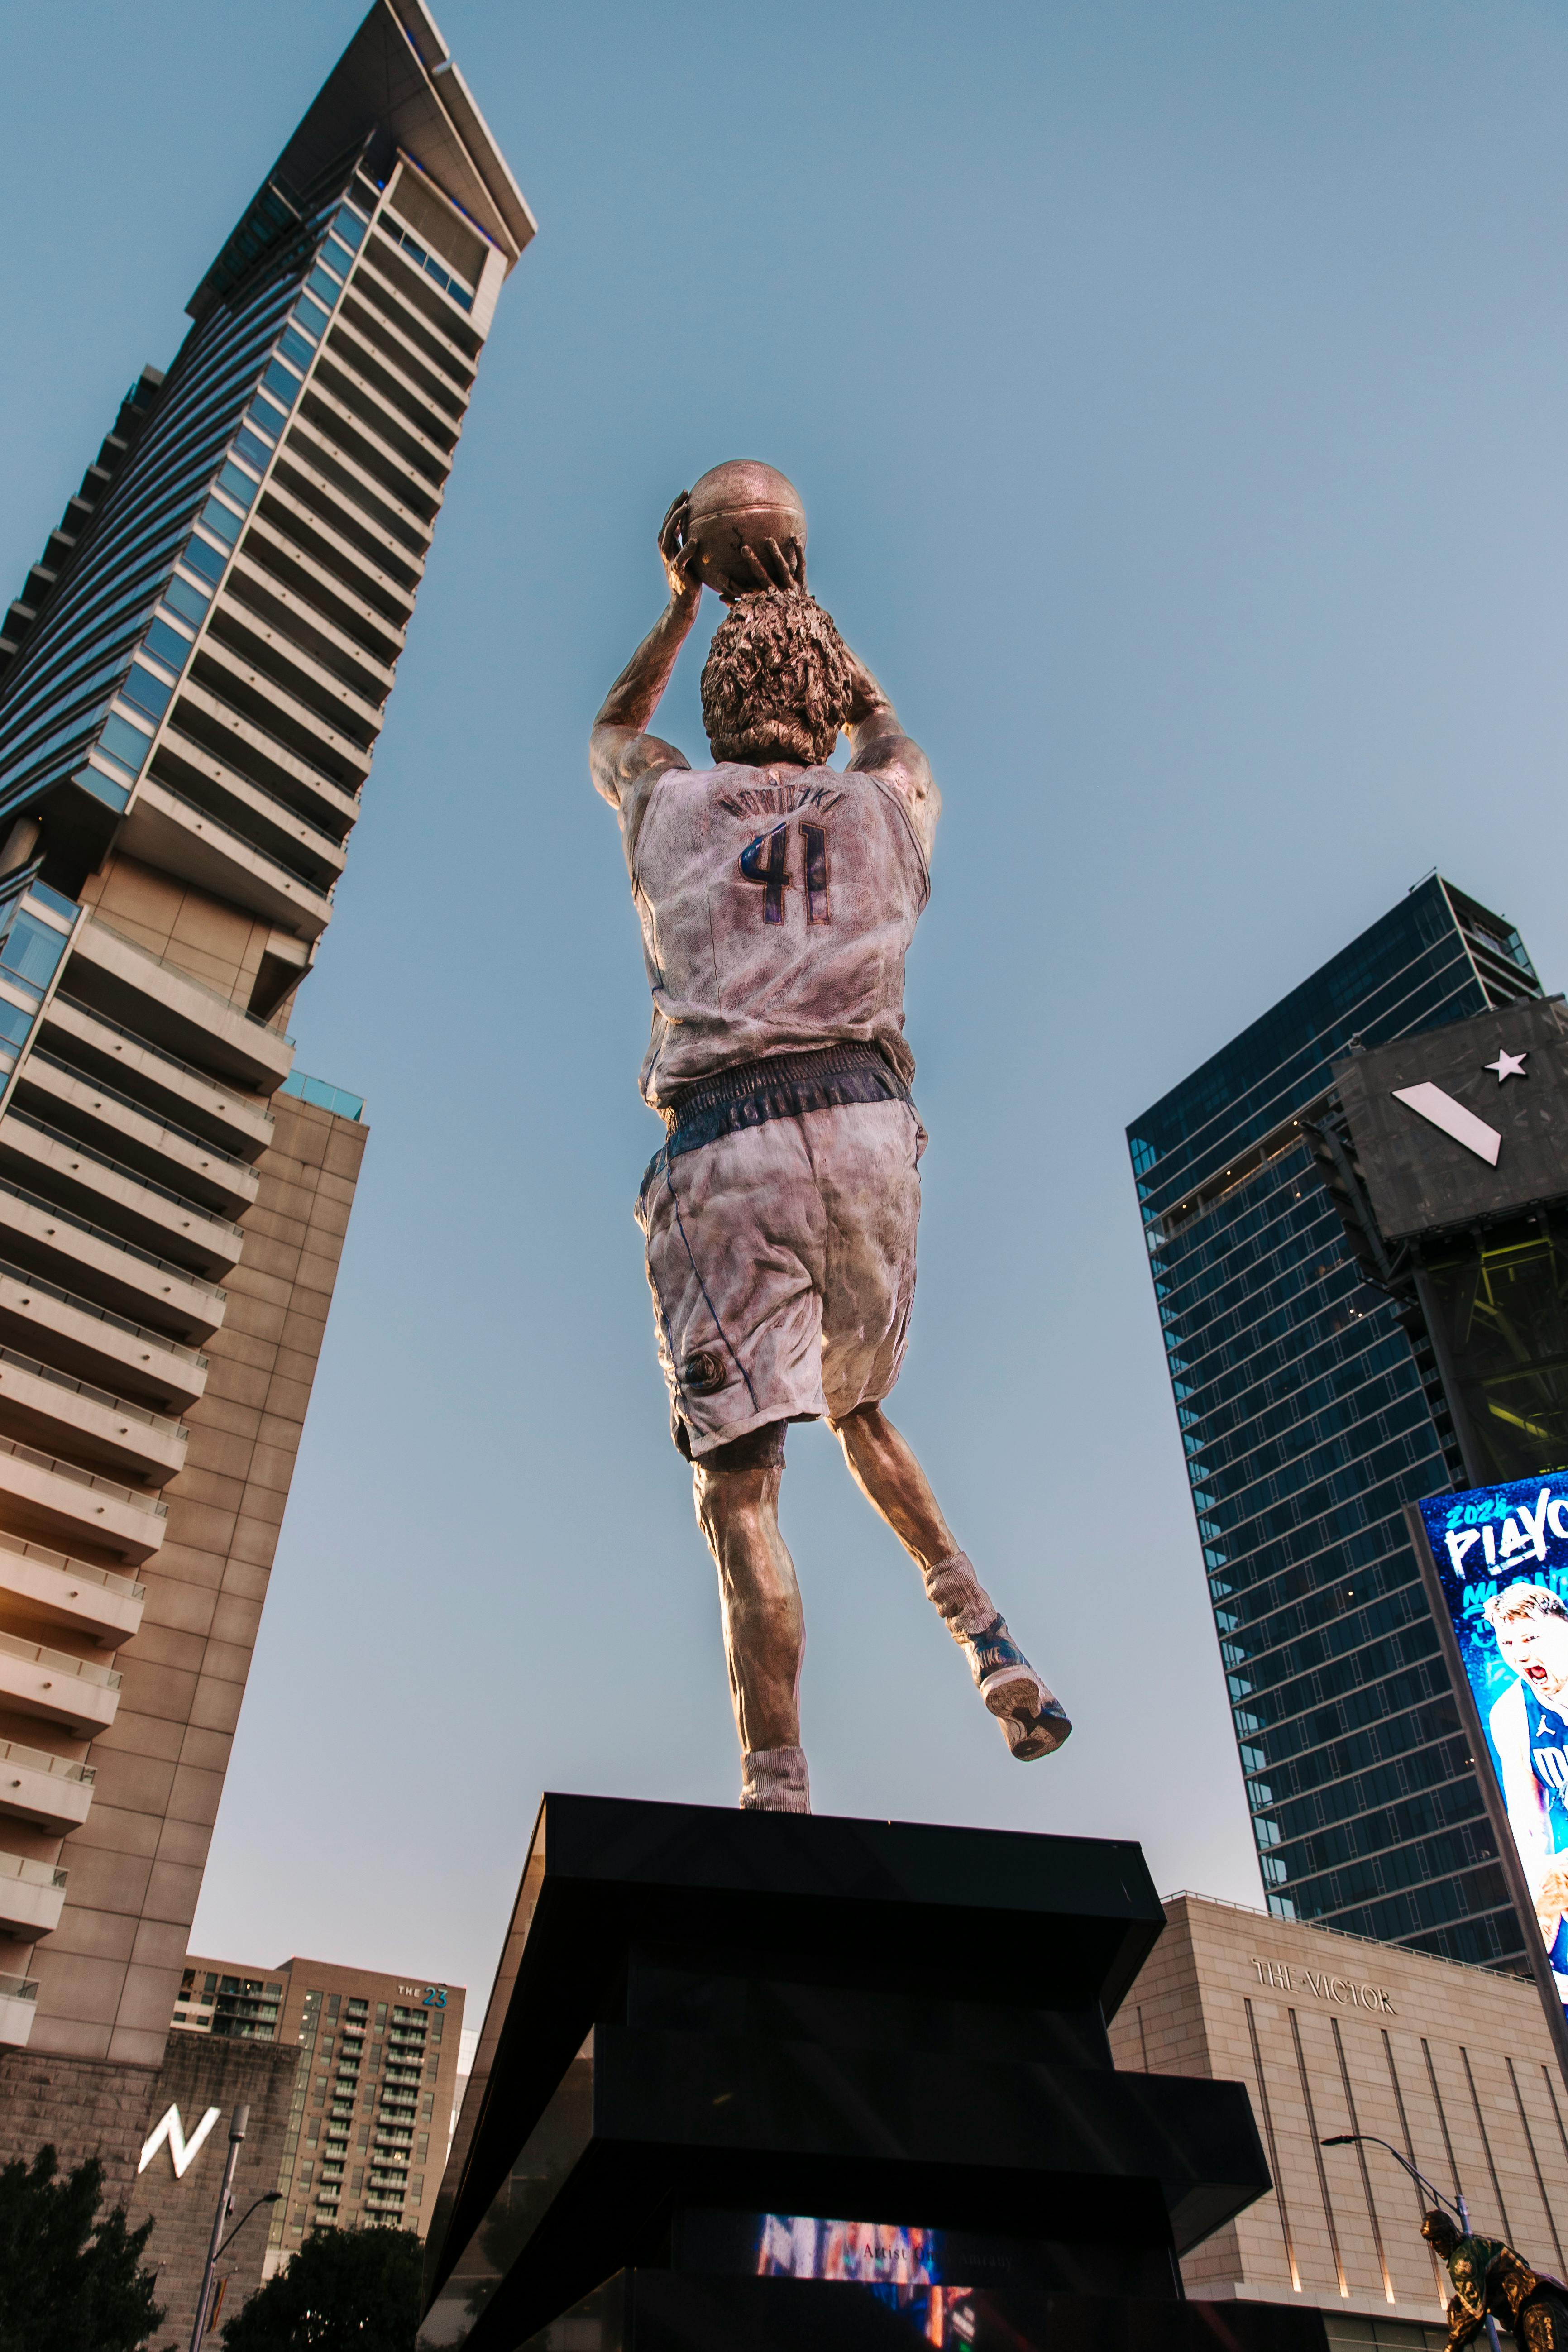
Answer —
(1430, 1102)
(181, 2151)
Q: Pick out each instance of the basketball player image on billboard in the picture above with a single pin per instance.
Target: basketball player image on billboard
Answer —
(778, 896)
(1528, 1726)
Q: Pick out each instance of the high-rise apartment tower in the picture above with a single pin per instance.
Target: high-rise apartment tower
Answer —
(195, 676)
(1311, 1409)
(372, 2113)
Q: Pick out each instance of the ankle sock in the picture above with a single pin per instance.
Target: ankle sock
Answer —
(959, 1596)
(774, 1781)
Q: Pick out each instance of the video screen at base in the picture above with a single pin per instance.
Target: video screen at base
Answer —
(1501, 1557)
(901, 2265)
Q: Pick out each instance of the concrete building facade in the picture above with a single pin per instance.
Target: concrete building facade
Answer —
(192, 683)
(1332, 2033)
(374, 2088)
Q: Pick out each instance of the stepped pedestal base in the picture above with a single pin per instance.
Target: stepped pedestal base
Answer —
(749, 2081)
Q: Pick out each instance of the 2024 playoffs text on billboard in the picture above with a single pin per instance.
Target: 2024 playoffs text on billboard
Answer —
(1500, 1554)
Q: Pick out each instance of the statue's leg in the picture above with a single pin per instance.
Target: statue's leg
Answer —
(883, 1466)
(765, 1629)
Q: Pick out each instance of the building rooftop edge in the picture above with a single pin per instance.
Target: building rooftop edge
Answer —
(1345, 1935)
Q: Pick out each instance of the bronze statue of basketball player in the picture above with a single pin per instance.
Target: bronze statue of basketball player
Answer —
(1490, 2280)
(778, 896)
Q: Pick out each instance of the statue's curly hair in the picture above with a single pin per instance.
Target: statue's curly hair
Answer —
(777, 681)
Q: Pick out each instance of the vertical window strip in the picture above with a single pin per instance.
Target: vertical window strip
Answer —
(1361, 2159)
(1410, 2152)
(1536, 2164)
(1442, 2118)
(1318, 2153)
(1144, 2046)
(1273, 2148)
(1557, 2110)
(1487, 2145)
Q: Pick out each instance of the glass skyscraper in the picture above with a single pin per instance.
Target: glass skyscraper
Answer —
(1311, 1409)
(193, 679)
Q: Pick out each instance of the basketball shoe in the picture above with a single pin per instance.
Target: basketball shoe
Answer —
(1033, 1719)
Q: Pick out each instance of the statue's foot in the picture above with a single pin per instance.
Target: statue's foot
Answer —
(1033, 1719)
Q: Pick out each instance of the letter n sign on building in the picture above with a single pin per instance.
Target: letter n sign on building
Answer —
(181, 2151)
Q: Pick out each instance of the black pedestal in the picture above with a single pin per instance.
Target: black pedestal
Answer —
(753, 2080)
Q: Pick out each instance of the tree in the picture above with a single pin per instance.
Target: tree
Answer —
(70, 2279)
(345, 2291)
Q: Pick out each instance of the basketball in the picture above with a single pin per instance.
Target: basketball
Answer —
(740, 504)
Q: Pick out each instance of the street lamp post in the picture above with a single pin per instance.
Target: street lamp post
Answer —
(1457, 2205)
(218, 2242)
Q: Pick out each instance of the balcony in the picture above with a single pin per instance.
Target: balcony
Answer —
(123, 1274)
(131, 1206)
(304, 830)
(18, 2007)
(47, 1407)
(91, 1340)
(155, 1000)
(42, 1494)
(300, 561)
(32, 1895)
(388, 337)
(427, 322)
(135, 1137)
(390, 497)
(55, 1590)
(383, 377)
(309, 616)
(101, 1048)
(279, 654)
(50, 1791)
(208, 728)
(175, 835)
(313, 480)
(253, 694)
(70, 1693)
(391, 428)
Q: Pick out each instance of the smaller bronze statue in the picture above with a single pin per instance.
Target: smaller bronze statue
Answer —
(1490, 2281)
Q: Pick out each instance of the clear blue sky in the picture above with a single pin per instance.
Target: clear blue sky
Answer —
(1177, 392)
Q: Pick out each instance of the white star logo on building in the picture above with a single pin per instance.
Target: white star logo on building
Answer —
(1508, 1066)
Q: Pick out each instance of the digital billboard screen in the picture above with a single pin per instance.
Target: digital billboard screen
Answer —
(1495, 1562)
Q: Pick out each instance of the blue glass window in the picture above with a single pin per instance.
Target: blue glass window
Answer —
(337, 257)
(146, 692)
(237, 485)
(281, 384)
(93, 780)
(310, 316)
(326, 290)
(124, 744)
(266, 419)
(349, 226)
(32, 951)
(295, 349)
(254, 453)
(183, 596)
(203, 557)
(167, 644)
(14, 1023)
(215, 517)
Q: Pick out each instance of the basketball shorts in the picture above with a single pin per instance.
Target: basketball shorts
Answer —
(782, 1262)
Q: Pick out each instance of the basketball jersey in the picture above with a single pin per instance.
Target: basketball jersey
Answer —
(777, 911)
(1547, 1734)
